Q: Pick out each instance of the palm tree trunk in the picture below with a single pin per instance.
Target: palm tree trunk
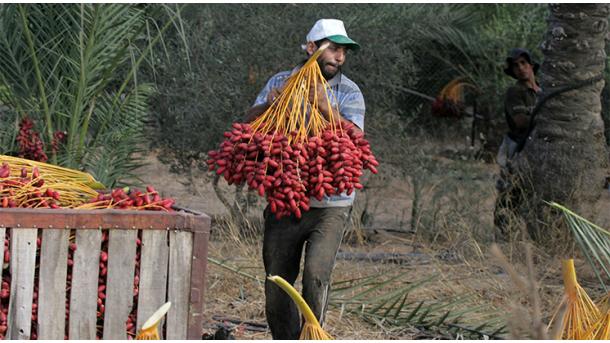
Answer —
(565, 159)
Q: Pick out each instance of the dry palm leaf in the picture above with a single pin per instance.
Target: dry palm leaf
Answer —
(604, 303)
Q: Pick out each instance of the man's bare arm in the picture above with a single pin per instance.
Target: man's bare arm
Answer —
(255, 111)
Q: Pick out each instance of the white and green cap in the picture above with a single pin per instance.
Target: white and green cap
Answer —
(333, 30)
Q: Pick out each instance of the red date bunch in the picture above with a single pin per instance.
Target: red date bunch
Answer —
(288, 174)
(338, 160)
(31, 145)
(12, 192)
(134, 199)
(268, 164)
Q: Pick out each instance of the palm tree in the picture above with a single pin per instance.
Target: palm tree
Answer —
(565, 159)
(74, 68)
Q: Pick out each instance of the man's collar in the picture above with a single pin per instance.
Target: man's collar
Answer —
(526, 86)
(335, 80)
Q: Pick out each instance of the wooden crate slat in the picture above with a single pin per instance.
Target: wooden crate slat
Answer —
(185, 290)
(23, 262)
(3, 235)
(119, 282)
(153, 274)
(180, 259)
(83, 295)
(52, 284)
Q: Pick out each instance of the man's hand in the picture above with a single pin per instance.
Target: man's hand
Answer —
(319, 94)
(324, 105)
(256, 111)
(273, 95)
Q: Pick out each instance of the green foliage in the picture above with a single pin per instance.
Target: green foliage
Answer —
(125, 136)
(477, 49)
(73, 68)
(593, 241)
(235, 48)
(8, 130)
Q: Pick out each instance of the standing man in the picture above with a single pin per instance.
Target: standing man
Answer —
(321, 228)
(519, 101)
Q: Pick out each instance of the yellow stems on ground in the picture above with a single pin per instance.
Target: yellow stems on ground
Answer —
(581, 313)
(296, 108)
(311, 329)
(600, 330)
(150, 329)
(604, 303)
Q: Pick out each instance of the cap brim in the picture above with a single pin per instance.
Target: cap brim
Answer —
(343, 40)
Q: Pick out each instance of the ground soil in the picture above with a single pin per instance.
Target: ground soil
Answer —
(461, 263)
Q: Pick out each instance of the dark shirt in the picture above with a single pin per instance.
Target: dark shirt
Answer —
(519, 99)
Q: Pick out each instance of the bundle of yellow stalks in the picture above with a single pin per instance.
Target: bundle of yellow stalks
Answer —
(293, 112)
(600, 330)
(150, 329)
(27, 183)
(604, 303)
(51, 172)
(311, 329)
(454, 90)
(582, 317)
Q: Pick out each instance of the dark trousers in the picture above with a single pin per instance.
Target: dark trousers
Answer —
(321, 231)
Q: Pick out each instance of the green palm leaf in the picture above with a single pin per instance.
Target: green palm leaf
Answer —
(593, 241)
(124, 140)
(73, 68)
(383, 300)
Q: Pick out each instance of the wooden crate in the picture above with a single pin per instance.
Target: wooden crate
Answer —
(172, 268)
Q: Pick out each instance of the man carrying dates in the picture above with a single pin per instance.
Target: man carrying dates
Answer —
(321, 228)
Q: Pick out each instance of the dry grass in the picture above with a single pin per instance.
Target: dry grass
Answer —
(448, 201)
(455, 226)
(425, 185)
(471, 273)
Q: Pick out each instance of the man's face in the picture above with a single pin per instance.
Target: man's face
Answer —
(522, 69)
(331, 60)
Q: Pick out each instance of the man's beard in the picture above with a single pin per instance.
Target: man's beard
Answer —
(328, 76)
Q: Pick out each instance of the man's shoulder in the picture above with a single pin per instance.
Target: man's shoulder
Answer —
(515, 90)
(516, 86)
(348, 85)
(281, 76)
